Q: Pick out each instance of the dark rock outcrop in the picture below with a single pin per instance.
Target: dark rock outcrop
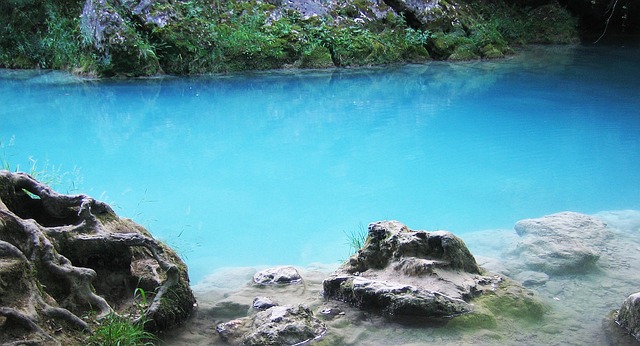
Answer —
(65, 258)
(561, 243)
(401, 272)
(628, 316)
(116, 30)
(606, 19)
(428, 14)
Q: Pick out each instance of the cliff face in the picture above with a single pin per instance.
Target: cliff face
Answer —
(148, 37)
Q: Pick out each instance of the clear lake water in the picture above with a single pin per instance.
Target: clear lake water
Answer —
(260, 169)
(272, 168)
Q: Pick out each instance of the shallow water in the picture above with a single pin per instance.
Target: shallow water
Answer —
(274, 168)
(576, 304)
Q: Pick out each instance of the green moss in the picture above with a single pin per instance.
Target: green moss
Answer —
(316, 57)
(478, 319)
(514, 305)
(508, 306)
(491, 52)
(464, 52)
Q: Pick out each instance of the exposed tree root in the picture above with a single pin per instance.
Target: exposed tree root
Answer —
(70, 256)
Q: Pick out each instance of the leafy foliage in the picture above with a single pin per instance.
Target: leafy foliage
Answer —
(517, 25)
(41, 34)
(220, 36)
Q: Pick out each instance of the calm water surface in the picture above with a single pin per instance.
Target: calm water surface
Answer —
(274, 168)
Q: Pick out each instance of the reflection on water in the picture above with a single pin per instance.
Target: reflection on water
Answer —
(273, 168)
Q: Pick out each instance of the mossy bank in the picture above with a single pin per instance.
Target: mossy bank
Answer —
(144, 38)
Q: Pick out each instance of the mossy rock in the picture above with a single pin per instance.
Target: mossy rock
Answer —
(416, 54)
(442, 44)
(516, 305)
(491, 52)
(481, 318)
(464, 52)
(318, 57)
(453, 46)
(509, 303)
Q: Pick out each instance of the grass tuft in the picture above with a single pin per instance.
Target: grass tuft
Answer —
(356, 238)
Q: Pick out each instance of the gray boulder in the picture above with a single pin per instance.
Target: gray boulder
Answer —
(561, 243)
(278, 325)
(112, 29)
(428, 13)
(401, 272)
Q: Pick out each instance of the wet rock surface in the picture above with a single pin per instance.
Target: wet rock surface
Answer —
(263, 303)
(402, 272)
(564, 309)
(581, 302)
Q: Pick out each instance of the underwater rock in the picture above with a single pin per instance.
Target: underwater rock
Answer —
(531, 278)
(628, 316)
(70, 257)
(277, 276)
(561, 243)
(401, 272)
(278, 325)
(263, 303)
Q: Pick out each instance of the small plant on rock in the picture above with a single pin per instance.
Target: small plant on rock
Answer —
(117, 330)
(356, 238)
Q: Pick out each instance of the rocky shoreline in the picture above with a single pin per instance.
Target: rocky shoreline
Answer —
(572, 306)
(557, 279)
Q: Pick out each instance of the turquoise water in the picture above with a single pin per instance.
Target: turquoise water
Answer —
(274, 168)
